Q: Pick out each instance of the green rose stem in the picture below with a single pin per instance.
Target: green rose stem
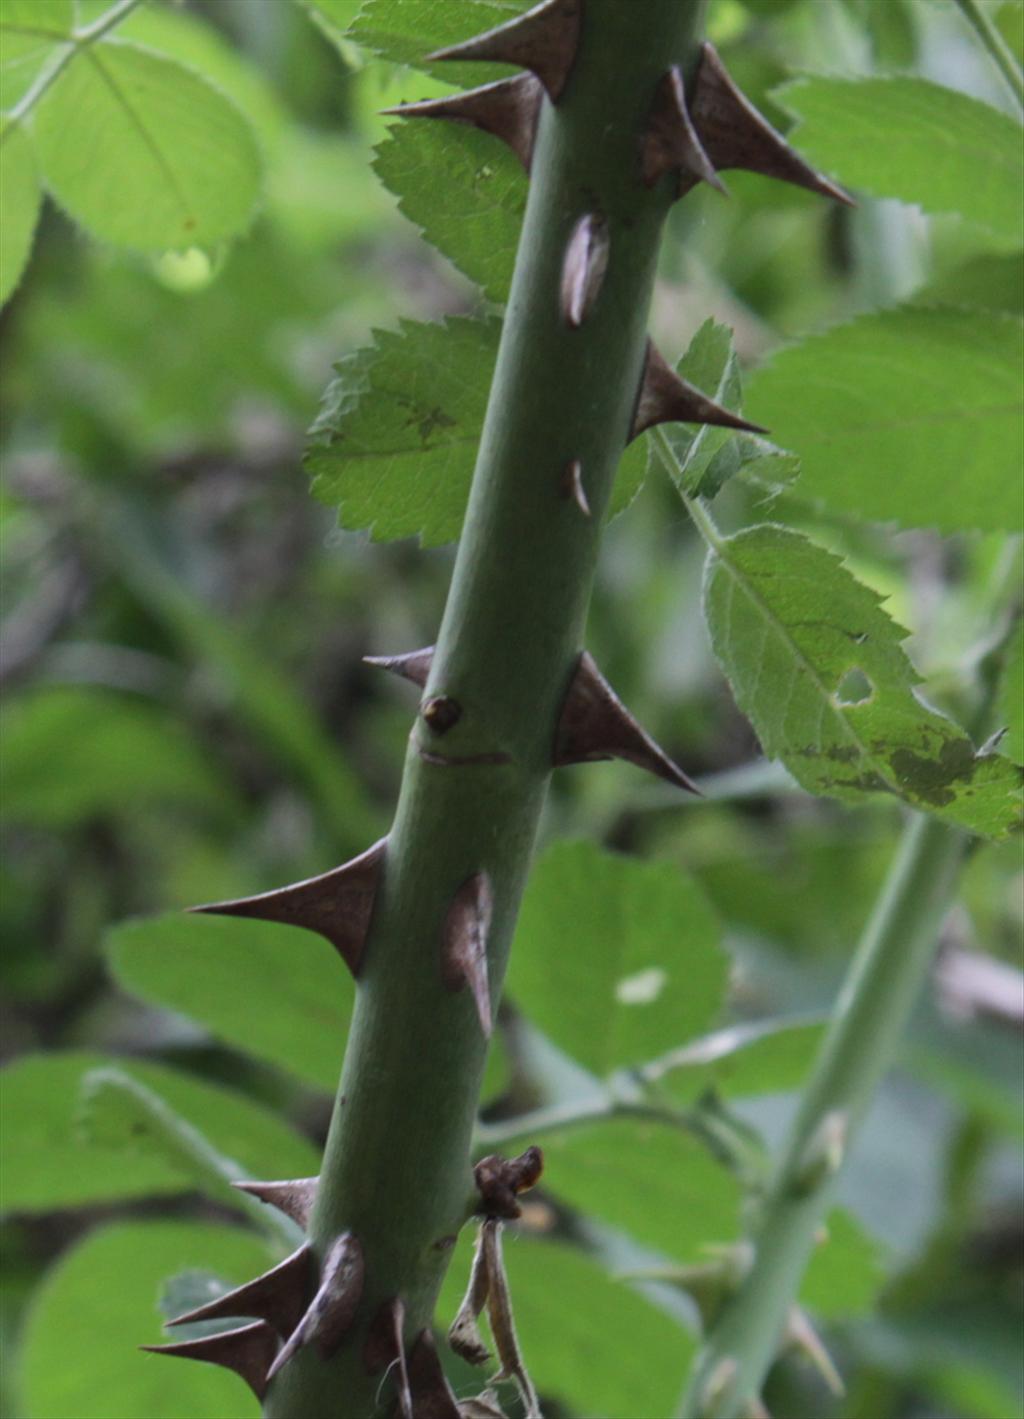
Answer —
(396, 1168)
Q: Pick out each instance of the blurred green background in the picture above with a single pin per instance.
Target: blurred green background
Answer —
(186, 716)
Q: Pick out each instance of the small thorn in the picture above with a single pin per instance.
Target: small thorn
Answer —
(414, 666)
(823, 1153)
(337, 904)
(279, 1296)
(735, 135)
(294, 1197)
(595, 725)
(332, 1310)
(432, 1397)
(801, 1335)
(544, 39)
(583, 268)
(464, 944)
(509, 109)
(671, 143)
(385, 1347)
(572, 485)
(666, 398)
(248, 1351)
(717, 1386)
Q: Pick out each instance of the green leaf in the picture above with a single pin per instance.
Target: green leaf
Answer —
(31, 33)
(708, 456)
(910, 415)
(915, 140)
(117, 1112)
(464, 189)
(817, 666)
(277, 992)
(72, 754)
(408, 32)
(615, 959)
(203, 49)
(846, 1270)
(989, 282)
(19, 209)
(144, 153)
(334, 19)
(400, 427)
(741, 1061)
(567, 1308)
(395, 443)
(653, 1181)
(47, 1163)
(99, 1303)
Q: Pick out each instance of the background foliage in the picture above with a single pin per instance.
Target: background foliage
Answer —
(193, 234)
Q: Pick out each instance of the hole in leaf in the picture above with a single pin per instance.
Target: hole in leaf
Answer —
(854, 688)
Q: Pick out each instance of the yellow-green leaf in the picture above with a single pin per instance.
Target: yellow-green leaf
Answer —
(144, 153)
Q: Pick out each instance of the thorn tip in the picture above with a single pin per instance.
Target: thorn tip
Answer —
(665, 397)
(336, 904)
(594, 724)
(509, 110)
(544, 40)
(735, 135)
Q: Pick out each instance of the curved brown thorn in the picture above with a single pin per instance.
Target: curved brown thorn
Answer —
(279, 1296)
(464, 945)
(509, 109)
(414, 666)
(431, 1394)
(735, 135)
(666, 398)
(248, 1351)
(385, 1347)
(671, 142)
(545, 40)
(572, 485)
(294, 1197)
(595, 724)
(337, 904)
(332, 1310)
(583, 268)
